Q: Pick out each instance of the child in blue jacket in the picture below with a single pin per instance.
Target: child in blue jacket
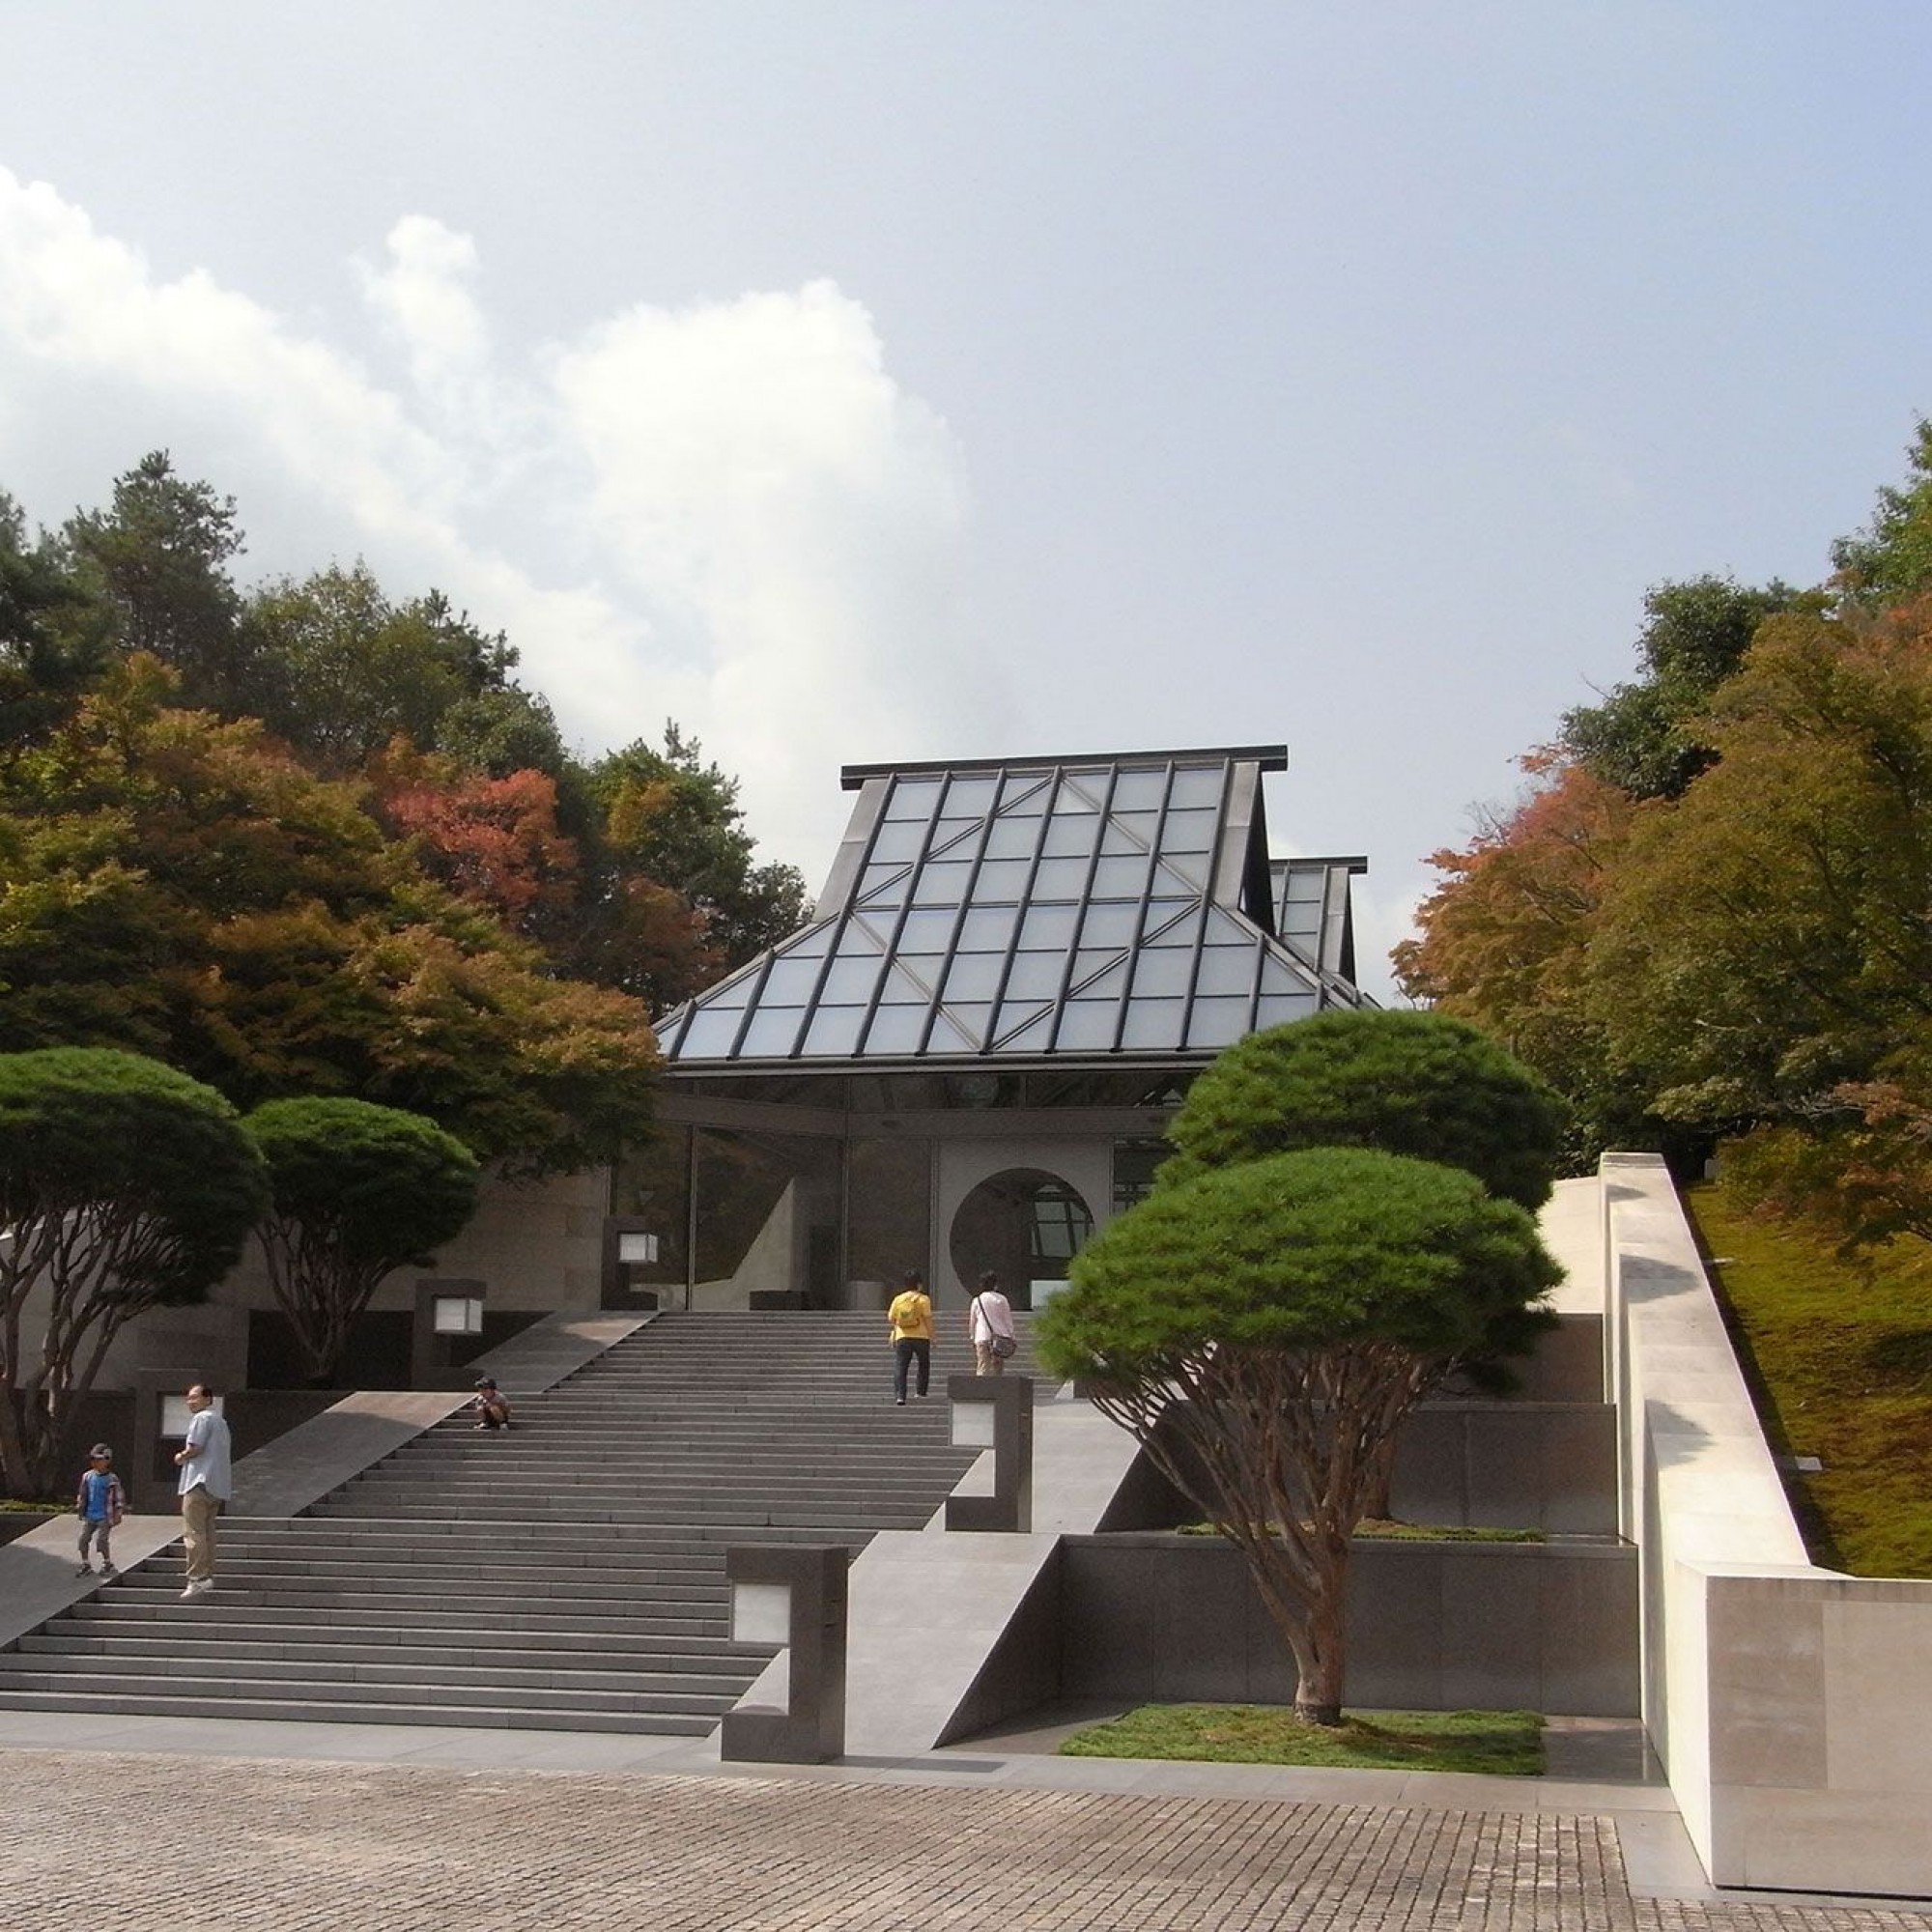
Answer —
(102, 1503)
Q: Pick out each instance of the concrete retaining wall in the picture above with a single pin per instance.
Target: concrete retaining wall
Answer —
(1432, 1626)
(1791, 1706)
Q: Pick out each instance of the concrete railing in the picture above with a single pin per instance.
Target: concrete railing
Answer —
(1791, 1706)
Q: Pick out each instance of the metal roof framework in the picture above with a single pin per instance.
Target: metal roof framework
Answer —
(1109, 909)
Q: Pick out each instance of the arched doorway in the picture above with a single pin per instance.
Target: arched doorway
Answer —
(1026, 1225)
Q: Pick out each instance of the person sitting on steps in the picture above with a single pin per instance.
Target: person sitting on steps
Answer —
(490, 1406)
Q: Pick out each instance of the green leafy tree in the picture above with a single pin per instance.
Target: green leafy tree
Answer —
(52, 640)
(675, 821)
(1261, 1329)
(124, 1186)
(1892, 559)
(179, 886)
(1504, 944)
(1764, 940)
(358, 1191)
(1645, 737)
(1411, 1083)
(158, 561)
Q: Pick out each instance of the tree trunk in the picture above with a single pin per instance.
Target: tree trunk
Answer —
(1321, 1656)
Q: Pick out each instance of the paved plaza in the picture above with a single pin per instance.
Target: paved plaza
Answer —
(119, 1840)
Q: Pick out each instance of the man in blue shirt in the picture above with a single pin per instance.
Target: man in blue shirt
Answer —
(205, 1486)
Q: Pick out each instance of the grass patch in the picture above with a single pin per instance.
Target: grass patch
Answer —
(1501, 1743)
(1838, 1354)
(16, 1506)
(1386, 1529)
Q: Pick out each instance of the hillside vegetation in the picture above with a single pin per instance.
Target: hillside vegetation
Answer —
(1839, 1353)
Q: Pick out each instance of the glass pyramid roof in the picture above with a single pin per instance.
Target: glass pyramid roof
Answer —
(1111, 908)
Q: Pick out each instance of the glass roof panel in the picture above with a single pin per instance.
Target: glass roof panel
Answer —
(835, 1030)
(1183, 869)
(1048, 929)
(1188, 830)
(1060, 878)
(902, 841)
(1140, 791)
(773, 1033)
(1079, 793)
(1035, 976)
(1163, 970)
(1279, 976)
(1169, 922)
(864, 935)
(1278, 1008)
(1217, 1022)
(943, 882)
(955, 839)
(1226, 968)
(852, 979)
(1197, 786)
(884, 885)
(973, 976)
(789, 982)
(1001, 879)
(1152, 1023)
(896, 1030)
(1130, 831)
(1012, 837)
(909, 983)
(988, 929)
(1121, 878)
(709, 1035)
(1019, 1034)
(1069, 837)
(1110, 983)
(966, 1024)
(913, 798)
(1111, 925)
(1087, 1025)
(926, 933)
(971, 797)
(1030, 786)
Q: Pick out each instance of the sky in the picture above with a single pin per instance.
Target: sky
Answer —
(852, 380)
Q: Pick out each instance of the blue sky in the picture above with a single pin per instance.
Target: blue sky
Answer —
(862, 380)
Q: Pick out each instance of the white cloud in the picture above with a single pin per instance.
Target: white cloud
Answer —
(727, 514)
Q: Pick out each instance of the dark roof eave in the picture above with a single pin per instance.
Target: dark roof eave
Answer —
(1270, 758)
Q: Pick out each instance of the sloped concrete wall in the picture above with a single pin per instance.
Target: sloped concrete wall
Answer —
(1791, 1706)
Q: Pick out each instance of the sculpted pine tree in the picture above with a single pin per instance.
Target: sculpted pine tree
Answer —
(124, 1186)
(1262, 1329)
(359, 1192)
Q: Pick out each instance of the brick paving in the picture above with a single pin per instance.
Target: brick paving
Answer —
(124, 1842)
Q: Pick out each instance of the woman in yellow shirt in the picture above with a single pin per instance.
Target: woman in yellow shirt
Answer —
(911, 1319)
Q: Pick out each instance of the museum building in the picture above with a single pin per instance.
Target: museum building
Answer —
(967, 1058)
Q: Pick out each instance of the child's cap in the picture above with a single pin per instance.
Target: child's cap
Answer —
(99, 1451)
(486, 1381)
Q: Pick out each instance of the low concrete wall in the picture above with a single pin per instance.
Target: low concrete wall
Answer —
(1789, 1705)
(1432, 1626)
(1515, 1464)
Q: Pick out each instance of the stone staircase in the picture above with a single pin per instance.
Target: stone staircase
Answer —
(568, 1573)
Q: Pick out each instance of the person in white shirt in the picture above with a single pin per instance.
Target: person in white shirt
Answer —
(989, 1322)
(205, 1486)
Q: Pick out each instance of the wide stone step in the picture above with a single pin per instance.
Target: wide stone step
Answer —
(137, 1642)
(377, 1689)
(246, 1700)
(589, 1623)
(744, 1513)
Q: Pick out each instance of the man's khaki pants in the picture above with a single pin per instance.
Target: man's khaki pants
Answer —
(199, 1509)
